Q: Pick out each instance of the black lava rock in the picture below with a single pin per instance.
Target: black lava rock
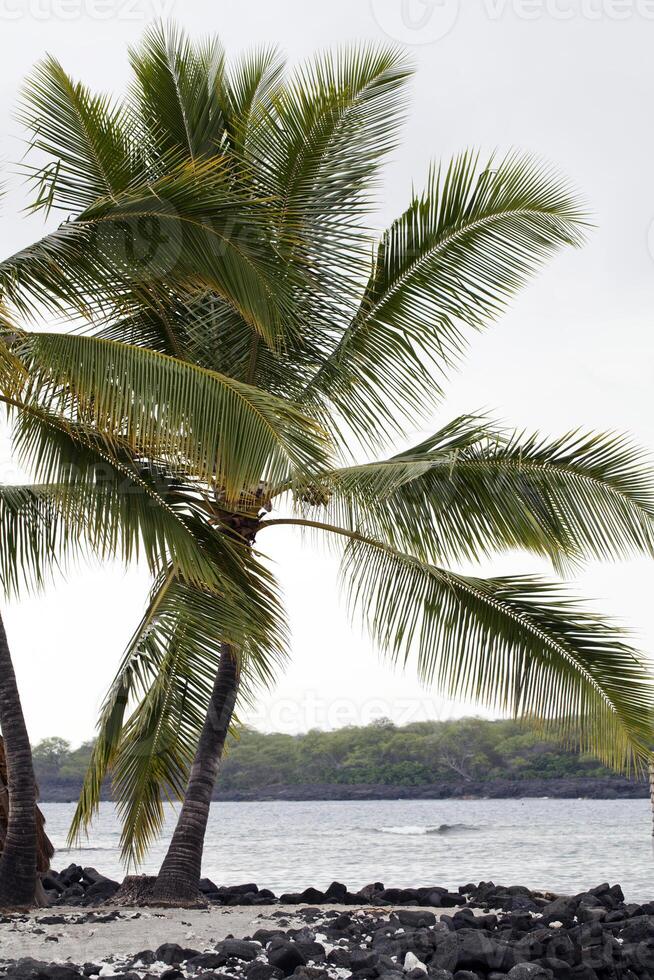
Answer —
(239, 949)
(173, 954)
(257, 970)
(286, 956)
(336, 892)
(101, 890)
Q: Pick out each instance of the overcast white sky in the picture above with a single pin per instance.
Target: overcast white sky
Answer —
(571, 80)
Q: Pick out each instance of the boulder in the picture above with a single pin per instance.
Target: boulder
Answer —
(52, 882)
(559, 968)
(28, 968)
(413, 964)
(476, 949)
(100, 891)
(363, 959)
(310, 973)
(339, 957)
(336, 892)
(72, 895)
(311, 950)
(371, 890)
(173, 954)
(286, 956)
(529, 971)
(638, 929)
(239, 949)
(72, 875)
(206, 961)
(415, 919)
(258, 970)
(313, 897)
(146, 957)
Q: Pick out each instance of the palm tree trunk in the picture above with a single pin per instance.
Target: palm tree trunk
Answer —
(178, 882)
(18, 859)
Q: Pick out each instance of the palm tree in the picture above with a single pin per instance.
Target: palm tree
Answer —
(247, 341)
(19, 852)
(30, 542)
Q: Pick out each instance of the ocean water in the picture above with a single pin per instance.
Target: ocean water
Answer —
(562, 845)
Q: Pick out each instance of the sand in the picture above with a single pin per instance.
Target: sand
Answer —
(139, 929)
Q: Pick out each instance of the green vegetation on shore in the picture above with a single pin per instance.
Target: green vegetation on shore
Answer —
(423, 753)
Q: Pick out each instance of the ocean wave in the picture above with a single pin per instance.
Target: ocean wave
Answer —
(416, 831)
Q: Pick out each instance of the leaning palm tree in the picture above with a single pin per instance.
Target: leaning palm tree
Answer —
(86, 512)
(30, 540)
(249, 348)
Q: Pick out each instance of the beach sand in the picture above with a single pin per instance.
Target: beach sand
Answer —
(83, 936)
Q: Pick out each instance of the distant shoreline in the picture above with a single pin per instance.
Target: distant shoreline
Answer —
(595, 788)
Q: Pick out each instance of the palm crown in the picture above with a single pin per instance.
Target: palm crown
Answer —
(250, 341)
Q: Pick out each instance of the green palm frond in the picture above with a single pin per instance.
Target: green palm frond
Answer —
(250, 88)
(59, 273)
(93, 146)
(473, 488)
(132, 510)
(167, 676)
(41, 527)
(227, 433)
(198, 226)
(178, 92)
(450, 262)
(519, 645)
(334, 121)
(316, 151)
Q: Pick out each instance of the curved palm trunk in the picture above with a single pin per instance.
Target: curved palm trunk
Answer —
(178, 882)
(18, 860)
(44, 847)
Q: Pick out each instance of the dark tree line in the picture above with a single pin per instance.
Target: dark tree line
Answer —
(381, 753)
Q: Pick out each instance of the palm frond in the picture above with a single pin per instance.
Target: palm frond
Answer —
(474, 488)
(519, 645)
(251, 85)
(178, 92)
(197, 421)
(198, 227)
(93, 146)
(167, 676)
(334, 122)
(450, 262)
(132, 508)
(41, 529)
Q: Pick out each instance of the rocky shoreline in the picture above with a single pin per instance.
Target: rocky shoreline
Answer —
(479, 932)
(562, 788)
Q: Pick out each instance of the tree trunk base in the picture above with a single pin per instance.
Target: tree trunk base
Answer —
(9, 905)
(139, 890)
